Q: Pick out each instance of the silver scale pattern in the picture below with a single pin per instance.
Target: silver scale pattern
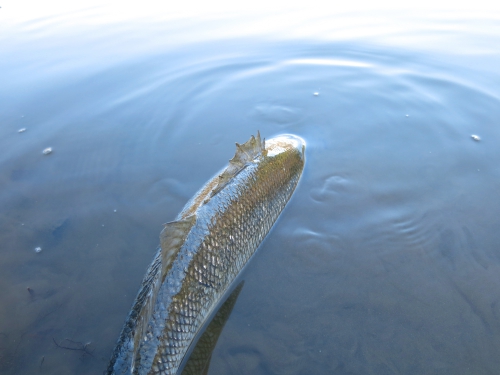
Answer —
(228, 230)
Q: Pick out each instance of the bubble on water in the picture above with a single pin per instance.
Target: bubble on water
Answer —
(38, 249)
(114, 210)
(316, 93)
(475, 137)
(47, 151)
(22, 130)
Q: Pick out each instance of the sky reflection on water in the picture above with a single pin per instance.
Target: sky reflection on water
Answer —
(385, 261)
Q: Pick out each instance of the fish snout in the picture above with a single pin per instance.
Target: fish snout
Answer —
(284, 143)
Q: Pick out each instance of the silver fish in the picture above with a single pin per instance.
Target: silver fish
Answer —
(203, 251)
(198, 361)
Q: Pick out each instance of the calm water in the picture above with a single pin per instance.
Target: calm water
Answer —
(386, 260)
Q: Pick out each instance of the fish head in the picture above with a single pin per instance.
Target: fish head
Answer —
(285, 143)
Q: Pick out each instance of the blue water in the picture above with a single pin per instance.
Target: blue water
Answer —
(386, 259)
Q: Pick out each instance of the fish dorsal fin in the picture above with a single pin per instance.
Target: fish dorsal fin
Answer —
(245, 153)
(171, 239)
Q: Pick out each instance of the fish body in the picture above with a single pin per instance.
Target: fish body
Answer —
(198, 361)
(203, 251)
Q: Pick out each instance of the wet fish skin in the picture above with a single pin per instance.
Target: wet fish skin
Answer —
(199, 359)
(203, 251)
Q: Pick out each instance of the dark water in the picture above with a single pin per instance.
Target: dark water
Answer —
(387, 259)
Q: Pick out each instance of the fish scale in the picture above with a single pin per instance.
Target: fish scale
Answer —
(202, 253)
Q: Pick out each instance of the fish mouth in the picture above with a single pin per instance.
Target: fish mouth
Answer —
(284, 143)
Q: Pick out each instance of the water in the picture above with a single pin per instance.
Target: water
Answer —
(386, 260)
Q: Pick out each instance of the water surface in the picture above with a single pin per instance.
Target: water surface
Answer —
(386, 260)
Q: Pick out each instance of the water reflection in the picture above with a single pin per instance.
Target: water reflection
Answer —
(386, 259)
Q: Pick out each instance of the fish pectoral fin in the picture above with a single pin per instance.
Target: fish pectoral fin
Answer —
(172, 237)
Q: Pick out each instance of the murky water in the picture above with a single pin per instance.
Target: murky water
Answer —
(386, 261)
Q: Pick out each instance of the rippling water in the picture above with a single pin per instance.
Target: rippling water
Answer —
(386, 260)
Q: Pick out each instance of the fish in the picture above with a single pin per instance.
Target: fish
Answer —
(198, 361)
(202, 252)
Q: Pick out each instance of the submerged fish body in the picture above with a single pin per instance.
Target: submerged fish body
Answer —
(202, 252)
(198, 361)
